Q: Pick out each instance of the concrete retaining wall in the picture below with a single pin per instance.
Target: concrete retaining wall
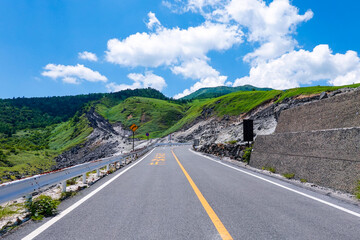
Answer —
(327, 158)
(340, 111)
(319, 142)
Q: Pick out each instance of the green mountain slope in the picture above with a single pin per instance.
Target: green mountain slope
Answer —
(23, 113)
(151, 115)
(220, 91)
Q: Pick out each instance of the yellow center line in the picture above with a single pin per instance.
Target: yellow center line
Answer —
(214, 218)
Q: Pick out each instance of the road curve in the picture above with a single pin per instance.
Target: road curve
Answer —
(173, 193)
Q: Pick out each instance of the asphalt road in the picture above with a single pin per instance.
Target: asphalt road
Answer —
(192, 197)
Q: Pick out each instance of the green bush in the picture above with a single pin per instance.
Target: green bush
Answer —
(247, 154)
(303, 180)
(289, 175)
(232, 142)
(42, 207)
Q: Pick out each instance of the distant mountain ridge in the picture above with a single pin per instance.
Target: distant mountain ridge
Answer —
(220, 91)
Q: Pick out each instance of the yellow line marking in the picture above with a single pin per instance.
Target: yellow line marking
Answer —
(225, 235)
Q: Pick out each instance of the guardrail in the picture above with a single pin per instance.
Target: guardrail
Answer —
(25, 187)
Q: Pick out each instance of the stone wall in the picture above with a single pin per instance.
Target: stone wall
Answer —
(327, 158)
(340, 111)
(319, 142)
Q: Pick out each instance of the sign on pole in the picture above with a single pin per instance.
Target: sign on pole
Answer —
(134, 127)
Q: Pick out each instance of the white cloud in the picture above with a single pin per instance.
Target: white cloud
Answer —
(271, 25)
(183, 50)
(172, 46)
(88, 56)
(72, 74)
(305, 67)
(140, 81)
(199, 69)
(153, 21)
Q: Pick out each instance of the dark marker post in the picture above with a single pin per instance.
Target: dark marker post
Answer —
(248, 130)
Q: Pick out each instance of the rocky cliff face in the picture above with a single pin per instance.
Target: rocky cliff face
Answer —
(104, 141)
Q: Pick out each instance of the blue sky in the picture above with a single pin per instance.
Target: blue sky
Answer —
(175, 46)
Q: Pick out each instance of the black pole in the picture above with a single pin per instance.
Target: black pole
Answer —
(133, 141)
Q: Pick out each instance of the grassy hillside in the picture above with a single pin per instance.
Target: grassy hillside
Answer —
(151, 115)
(31, 151)
(220, 91)
(312, 90)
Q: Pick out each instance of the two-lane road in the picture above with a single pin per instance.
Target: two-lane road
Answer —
(174, 193)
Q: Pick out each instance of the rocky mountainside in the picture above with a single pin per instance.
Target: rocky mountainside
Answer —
(105, 141)
(229, 128)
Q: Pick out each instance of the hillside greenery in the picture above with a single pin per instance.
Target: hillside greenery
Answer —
(151, 115)
(30, 113)
(215, 92)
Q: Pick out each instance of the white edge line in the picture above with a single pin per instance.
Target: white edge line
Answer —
(279, 185)
(46, 225)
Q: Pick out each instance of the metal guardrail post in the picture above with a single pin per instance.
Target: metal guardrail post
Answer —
(98, 172)
(84, 178)
(63, 186)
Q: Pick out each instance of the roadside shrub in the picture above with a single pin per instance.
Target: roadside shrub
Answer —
(42, 207)
(303, 180)
(247, 154)
(289, 175)
(232, 142)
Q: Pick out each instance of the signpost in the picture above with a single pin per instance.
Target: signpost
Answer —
(147, 134)
(133, 129)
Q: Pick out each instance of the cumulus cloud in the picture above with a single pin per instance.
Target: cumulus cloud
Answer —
(153, 21)
(199, 69)
(271, 25)
(140, 81)
(178, 49)
(72, 74)
(172, 46)
(88, 56)
(305, 67)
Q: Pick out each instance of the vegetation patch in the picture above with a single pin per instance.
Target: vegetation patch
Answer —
(43, 206)
(357, 192)
(9, 210)
(289, 175)
(303, 180)
(71, 181)
(247, 154)
(65, 195)
(270, 169)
